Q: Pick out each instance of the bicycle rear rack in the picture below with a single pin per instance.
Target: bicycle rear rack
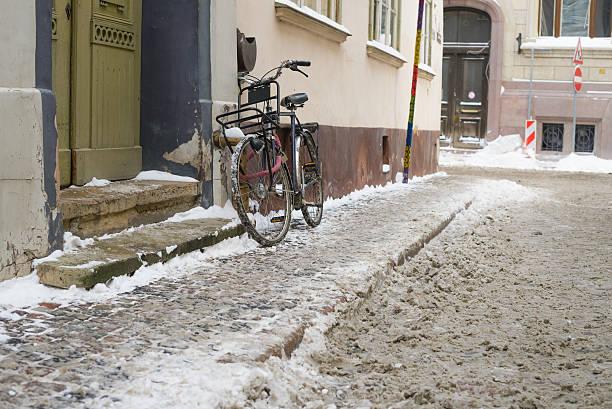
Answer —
(250, 120)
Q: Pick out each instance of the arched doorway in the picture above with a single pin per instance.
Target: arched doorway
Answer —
(465, 76)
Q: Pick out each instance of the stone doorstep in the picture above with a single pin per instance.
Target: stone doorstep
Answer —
(126, 252)
(95, 211)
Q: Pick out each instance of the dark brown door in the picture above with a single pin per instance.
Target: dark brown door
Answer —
(465, 76)
(464, 98)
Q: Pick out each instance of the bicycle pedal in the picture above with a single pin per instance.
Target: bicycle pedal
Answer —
(278, 219)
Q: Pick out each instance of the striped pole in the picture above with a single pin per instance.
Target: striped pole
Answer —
(415, 76)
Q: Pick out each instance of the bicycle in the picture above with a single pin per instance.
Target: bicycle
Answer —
(264, 192)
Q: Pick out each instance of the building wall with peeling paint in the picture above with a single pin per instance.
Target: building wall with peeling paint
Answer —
(171, 120)
(30, 224)
(188, 74)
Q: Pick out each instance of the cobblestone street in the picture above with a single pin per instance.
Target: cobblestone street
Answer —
(534, 264)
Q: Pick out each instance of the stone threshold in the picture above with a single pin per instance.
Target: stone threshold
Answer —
(98, 210)
(126, 252)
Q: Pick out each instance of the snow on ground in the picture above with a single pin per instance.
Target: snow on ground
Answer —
(195, 378)
(25, 292)
(507, 152)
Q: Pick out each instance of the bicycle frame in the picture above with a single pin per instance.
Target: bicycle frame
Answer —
(261, 93)
(257, 95)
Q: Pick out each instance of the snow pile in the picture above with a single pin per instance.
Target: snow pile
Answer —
(97, 183)
(72, 242)
(507, 152)
(584, 163)
(503, 145)
(164, 176)
(195, 378)
(234, 133)
(226, 212)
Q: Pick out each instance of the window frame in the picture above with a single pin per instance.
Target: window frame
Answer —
(392, 20)
(557, 17)
(334, 7)
(426, 34)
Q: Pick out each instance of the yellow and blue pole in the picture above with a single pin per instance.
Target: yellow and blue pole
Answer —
(415, 76)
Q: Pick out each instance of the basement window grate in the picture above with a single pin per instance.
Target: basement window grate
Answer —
(552, 137)
(585, 138)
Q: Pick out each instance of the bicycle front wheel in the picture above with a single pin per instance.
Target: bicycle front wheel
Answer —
(311, 176)
(261, 190)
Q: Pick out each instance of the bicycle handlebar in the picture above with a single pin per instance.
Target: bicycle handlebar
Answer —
(291, 64)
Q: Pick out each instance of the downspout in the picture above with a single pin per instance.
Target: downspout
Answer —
(415, 76)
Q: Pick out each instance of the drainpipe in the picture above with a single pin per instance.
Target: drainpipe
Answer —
(415, 76)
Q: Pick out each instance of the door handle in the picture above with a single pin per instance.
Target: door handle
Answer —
(68, 11)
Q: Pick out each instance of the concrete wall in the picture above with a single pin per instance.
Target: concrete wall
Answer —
(30, 224)
(351, 93)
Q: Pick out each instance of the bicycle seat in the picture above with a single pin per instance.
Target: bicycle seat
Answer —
(295, 100)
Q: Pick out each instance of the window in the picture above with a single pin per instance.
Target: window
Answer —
(552, 137)
(585, 138)
(384, 22)
(426, 33)
(331, 9)
(462, 25)
(568, 18)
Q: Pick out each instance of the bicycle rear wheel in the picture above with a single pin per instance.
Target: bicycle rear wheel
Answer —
(263, 203)
(311, 177)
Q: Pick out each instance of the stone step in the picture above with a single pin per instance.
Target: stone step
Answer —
(98, 210)
(126, 252)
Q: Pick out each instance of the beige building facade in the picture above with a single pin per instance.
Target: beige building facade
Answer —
(549, 28)
(359, 84)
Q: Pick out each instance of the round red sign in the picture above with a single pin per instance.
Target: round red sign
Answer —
(577, 79)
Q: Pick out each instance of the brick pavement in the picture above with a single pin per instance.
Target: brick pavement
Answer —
(239, 309)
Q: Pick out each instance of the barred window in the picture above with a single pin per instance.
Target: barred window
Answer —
(585, 138)
(552, 137)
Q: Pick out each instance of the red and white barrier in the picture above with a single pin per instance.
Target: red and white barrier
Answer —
(529, 143)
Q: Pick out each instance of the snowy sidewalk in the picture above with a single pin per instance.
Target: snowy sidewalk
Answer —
(197, 335)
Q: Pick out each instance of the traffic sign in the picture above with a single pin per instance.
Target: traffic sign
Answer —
(578, 54)
(577, 78)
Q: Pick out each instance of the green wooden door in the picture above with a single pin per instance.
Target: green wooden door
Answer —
(61, 45)
(105, 110)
